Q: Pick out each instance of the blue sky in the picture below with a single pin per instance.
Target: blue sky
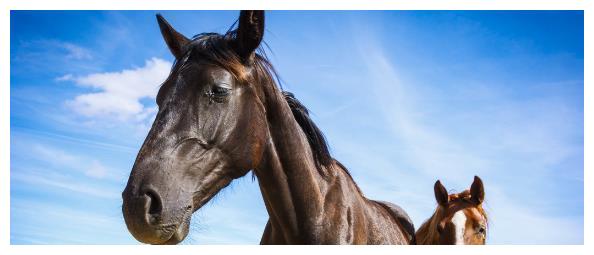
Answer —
(403, 97)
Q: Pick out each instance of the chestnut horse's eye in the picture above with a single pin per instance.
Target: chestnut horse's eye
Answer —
(482, 230)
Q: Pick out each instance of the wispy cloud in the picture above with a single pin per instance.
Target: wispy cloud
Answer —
(513, 222)
(82, 142)
(66, 77)
(96, 170)
(54, 168)
(74, 51)
(61, 181)
(120, 93)
(432, 152)
(65, 224)
(52, 55)
(90, 167)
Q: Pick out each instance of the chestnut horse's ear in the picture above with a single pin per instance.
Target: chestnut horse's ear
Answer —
(175, 41)
(249, 33)
(477, 191)
(441, 194)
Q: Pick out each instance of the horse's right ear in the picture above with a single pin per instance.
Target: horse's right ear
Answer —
(175, 41)
(249, 33)
(441, 194)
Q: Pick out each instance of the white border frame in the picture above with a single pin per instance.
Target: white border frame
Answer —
(7, 5)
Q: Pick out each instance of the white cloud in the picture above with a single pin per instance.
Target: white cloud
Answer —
(119, 93)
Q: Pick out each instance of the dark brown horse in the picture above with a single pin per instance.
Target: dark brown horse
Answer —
(458, 219)
(221, 115)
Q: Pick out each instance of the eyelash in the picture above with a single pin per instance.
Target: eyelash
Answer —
(217, 94)
(220, 91)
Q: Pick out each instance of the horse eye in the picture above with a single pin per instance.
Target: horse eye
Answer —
(481, 230)
(217, 94)
(220, 91)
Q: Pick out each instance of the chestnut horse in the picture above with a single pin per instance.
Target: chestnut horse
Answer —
(222, 115)
(458, 219)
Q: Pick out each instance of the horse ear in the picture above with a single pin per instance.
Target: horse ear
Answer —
(249, 33)
(477, 191)
(175, 41)
(441, 194)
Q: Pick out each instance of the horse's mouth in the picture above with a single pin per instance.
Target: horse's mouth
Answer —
(181, 231)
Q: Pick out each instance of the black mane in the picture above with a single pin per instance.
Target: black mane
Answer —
(314, 135)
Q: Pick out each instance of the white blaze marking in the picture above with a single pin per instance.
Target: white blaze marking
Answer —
(459, 221)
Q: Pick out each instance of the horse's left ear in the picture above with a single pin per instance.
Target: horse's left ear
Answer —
(477, 191)
(249, 33)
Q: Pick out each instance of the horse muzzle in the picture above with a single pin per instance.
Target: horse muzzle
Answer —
(150, 222)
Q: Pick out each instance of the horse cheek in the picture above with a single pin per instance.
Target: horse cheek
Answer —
(247, 143)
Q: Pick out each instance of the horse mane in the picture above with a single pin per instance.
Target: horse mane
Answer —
(314, 135)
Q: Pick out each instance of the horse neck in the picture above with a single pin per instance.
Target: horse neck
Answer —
(427, 233)
(290, 184)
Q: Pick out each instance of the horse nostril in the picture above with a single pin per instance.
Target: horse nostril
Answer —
(155, 206)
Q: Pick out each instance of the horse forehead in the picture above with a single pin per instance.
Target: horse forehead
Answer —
(473, 214)
(459, 218)
(463, 207)
(218, 74)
